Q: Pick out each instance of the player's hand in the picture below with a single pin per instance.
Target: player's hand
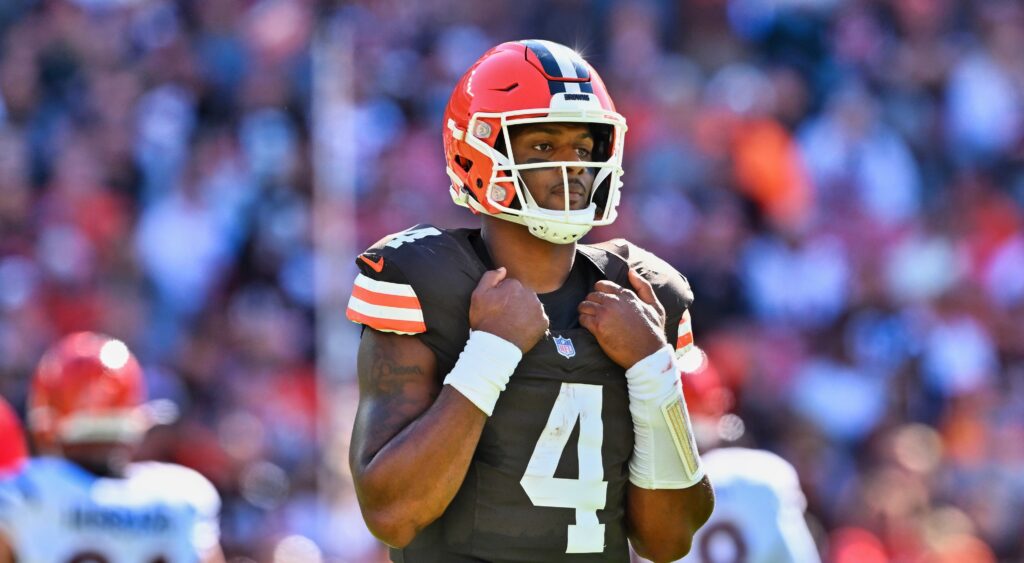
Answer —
(629, 325)
(504, 308)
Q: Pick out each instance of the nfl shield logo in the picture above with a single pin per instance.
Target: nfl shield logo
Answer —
(565, 347)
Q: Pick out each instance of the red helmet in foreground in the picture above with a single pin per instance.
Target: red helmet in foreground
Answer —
(12, 440)
(709, 400)
(520, 83)
(88, 388)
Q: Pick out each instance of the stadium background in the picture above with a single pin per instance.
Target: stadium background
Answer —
(841, 181)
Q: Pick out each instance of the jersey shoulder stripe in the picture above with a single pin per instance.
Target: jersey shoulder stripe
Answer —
(385, 306)
(386, 289)
(684, 340)
(418, 282)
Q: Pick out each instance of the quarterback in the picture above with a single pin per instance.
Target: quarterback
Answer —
(84, 502)
(519, 391)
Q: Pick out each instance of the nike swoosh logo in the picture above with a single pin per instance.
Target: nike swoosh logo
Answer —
(377, 266)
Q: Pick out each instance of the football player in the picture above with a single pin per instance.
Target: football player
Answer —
(759, 505)
(12, 440)
(84, 501)
(519, 393)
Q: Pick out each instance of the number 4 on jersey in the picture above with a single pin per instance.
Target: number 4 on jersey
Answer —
(589, 492)
(411, 235)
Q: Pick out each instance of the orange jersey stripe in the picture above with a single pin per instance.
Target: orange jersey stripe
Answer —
(685, 340)
(385, 300)
(414, 327)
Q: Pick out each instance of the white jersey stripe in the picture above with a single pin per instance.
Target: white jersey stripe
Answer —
(684, 336)
(381, 312)
(684, 321)
(387, 288)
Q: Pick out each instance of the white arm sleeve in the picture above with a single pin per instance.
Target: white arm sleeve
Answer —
(664, 449)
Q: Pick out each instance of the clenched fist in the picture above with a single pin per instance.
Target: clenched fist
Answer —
(504, 308)
(628, 325)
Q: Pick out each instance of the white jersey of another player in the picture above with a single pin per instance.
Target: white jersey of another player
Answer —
(55, 511)
(759, 511)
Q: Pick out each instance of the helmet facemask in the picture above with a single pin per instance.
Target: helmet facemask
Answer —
(560, 226)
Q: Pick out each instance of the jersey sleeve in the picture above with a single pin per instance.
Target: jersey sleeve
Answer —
(11, 501)
(21, 491)
(206, 531)
(382, 297)
(795, 542)
(200, 495)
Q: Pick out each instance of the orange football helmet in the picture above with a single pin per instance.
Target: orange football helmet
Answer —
(528, 82)
(88, 388)
(709, 400)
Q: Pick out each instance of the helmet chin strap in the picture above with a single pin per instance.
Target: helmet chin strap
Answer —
(552, 225)
(561, 227)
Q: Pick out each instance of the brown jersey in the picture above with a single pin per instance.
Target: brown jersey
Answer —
(548, 479)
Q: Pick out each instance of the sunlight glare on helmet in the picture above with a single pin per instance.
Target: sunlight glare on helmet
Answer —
(114, 354)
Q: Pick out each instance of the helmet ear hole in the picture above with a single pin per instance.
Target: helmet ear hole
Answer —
(464, 163)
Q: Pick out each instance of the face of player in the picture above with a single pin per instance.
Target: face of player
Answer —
(555, 142)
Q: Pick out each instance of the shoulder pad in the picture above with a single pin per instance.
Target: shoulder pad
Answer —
(187, 484)
(666, 280)
(15, 490)
(401, 271)
(387, 258)
(670, 286)
(42, 479)
(754, 466)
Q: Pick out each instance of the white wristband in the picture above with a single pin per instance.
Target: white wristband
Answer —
(664, 450)
(483, 369)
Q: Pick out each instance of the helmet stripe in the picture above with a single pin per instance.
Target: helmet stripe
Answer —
(547, 58)
(581, 69)
(564, 59)
(582, 72)
(558, 62)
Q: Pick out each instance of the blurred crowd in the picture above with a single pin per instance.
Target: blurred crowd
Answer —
(155, 185)
(840, 180)
(842, 183)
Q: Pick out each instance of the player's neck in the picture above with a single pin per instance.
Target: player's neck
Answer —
(109, 461)
(539, 265)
